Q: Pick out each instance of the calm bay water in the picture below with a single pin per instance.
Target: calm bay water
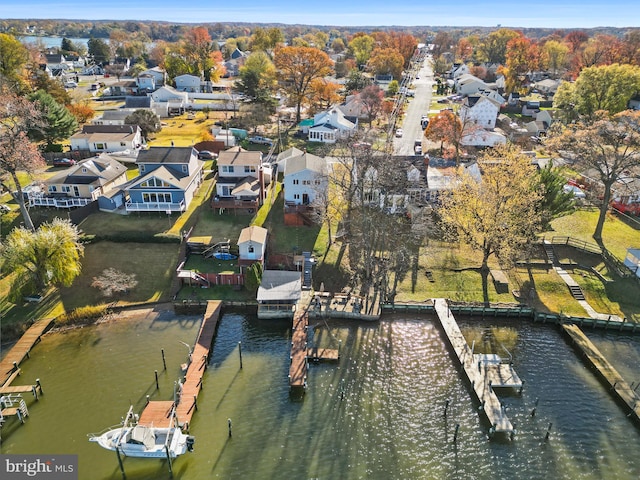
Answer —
(396, 375)
(50, 42)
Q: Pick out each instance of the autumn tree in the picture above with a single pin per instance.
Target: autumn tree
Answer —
(522, 57)
(323, 94)
(385, 61)
(405, 44)
(442, 43)
(18, 116)
(13, 58)
(356, 81)
(298, 67)
(258, 79)
(81, 111)
(361, 46)
(607, 87)
(47, 256)
(497, 214)
(266, 40)
(494, 46)
(554, 55)
(371, 101)
(59, 124)
(201, 55)
(608, 145)
(446, 127)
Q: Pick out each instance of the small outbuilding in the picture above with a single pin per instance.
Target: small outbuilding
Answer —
(278, 293)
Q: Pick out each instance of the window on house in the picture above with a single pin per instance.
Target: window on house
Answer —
(185, 168)
(306, 182)
(296, 196)
(317, 182)
(227, 168)
(296, 181)
(84, 170)
(66, 188)
(156, 197)
(141, 168)
(52, 188)
(100, 146)
(122, 144)
(249, 169)
(250, 249)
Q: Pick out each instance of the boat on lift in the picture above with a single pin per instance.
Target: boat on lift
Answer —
(143, 441)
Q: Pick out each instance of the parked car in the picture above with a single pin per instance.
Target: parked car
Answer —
(4, 209)
(207, 155)
(399, 132)
(260, 140)
(64, 162)
(70, 85)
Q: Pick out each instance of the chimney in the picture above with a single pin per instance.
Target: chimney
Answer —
(261, 180)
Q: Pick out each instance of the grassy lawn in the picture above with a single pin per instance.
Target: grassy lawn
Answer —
(149, 224)
(182, 131)
(219, 292)
(153, 264)
(617, 235)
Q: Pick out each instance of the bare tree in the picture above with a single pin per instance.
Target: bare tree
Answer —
(112, 281)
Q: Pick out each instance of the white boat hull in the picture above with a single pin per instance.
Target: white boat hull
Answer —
(145, 442)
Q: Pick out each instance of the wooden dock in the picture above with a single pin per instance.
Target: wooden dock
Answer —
(316, 354)
(159, 412)
(618, 387)
(484, 372)
(22, 348)
(299, 351)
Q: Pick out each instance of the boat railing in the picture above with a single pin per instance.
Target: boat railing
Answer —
(124, 423)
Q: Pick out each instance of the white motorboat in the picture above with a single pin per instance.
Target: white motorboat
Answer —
(133, 440)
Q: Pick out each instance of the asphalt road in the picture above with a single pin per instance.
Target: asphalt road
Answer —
(417, 106)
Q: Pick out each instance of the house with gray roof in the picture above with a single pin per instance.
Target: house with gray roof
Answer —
(242, 180)
(330, 126)
(107, 138)
(305, 177)
(167, 181)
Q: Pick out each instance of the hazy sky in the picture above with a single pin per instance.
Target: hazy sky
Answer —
(540, 13)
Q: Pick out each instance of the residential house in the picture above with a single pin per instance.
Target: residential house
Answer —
(547, 86)
(107, 138)
(530, 108)
(241, 180)
(330, 126)
(281, 159)
(174, 100)
(236, 60)
(480, 110)
(252, 246)
(483, 138)
(457, 70)
(468, 84)
(279, 292)
(146, 82)
(113, 117)
(167, 181)
(188, 83)
(541, 124)
(158, 74)
(81, 184)
(124, 87)
(58, 62)
(305, 177)
(514, 99)
(352, 107)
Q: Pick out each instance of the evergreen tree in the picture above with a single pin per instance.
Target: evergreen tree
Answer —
(59, 122)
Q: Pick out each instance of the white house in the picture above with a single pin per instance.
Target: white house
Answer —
(146, 82)
(157, 73)
(252, 245)
(107, 138)
(483, 138)
(241, 180)
(113, 117)
(468, 84)
(188, 83)
(169, 94)
(305, 176)
(330, 126)
(480, 110)
(458, 70)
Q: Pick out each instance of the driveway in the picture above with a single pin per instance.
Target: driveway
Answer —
(417, 106)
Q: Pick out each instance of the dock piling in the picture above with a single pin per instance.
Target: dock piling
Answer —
(120, 463)
(157, 384)
(240, 352)
(39, 386)
(455, 433)
(446, 407)
(546, 437)
(521, 387)
(164, 361)
(229, 424)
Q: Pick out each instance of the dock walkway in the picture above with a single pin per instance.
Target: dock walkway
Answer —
(22, 348)
(618, 386)
(484, 372)
(158, 413)
(299, 363)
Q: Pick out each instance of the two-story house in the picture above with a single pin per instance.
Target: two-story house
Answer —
(107, 138)
(188, 83)
(242, 180)
(167, 181)
(305, 178)
(480, 110)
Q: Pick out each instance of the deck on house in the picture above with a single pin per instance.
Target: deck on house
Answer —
(618, 386)
(299, 365)
(21, 349)
(482, 371)
(157, 412)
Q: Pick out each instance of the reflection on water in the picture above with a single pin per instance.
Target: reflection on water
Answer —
(377, 414)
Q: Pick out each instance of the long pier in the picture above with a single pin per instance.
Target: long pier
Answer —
(22, 348)
(618, 387)
(484, 372)
(158, 413)
(299, 362)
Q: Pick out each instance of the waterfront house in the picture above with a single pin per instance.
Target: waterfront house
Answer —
(305, 177)
(167, 181)
(278, 293)
(81, 184)
(241, 180)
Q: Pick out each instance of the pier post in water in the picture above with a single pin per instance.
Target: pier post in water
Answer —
(157, 384)
(455, 433)
(546, 437)
(240, 352)
(446, 407)
(164, 361)
(39, 386)
(229, 424)
(120, 462)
